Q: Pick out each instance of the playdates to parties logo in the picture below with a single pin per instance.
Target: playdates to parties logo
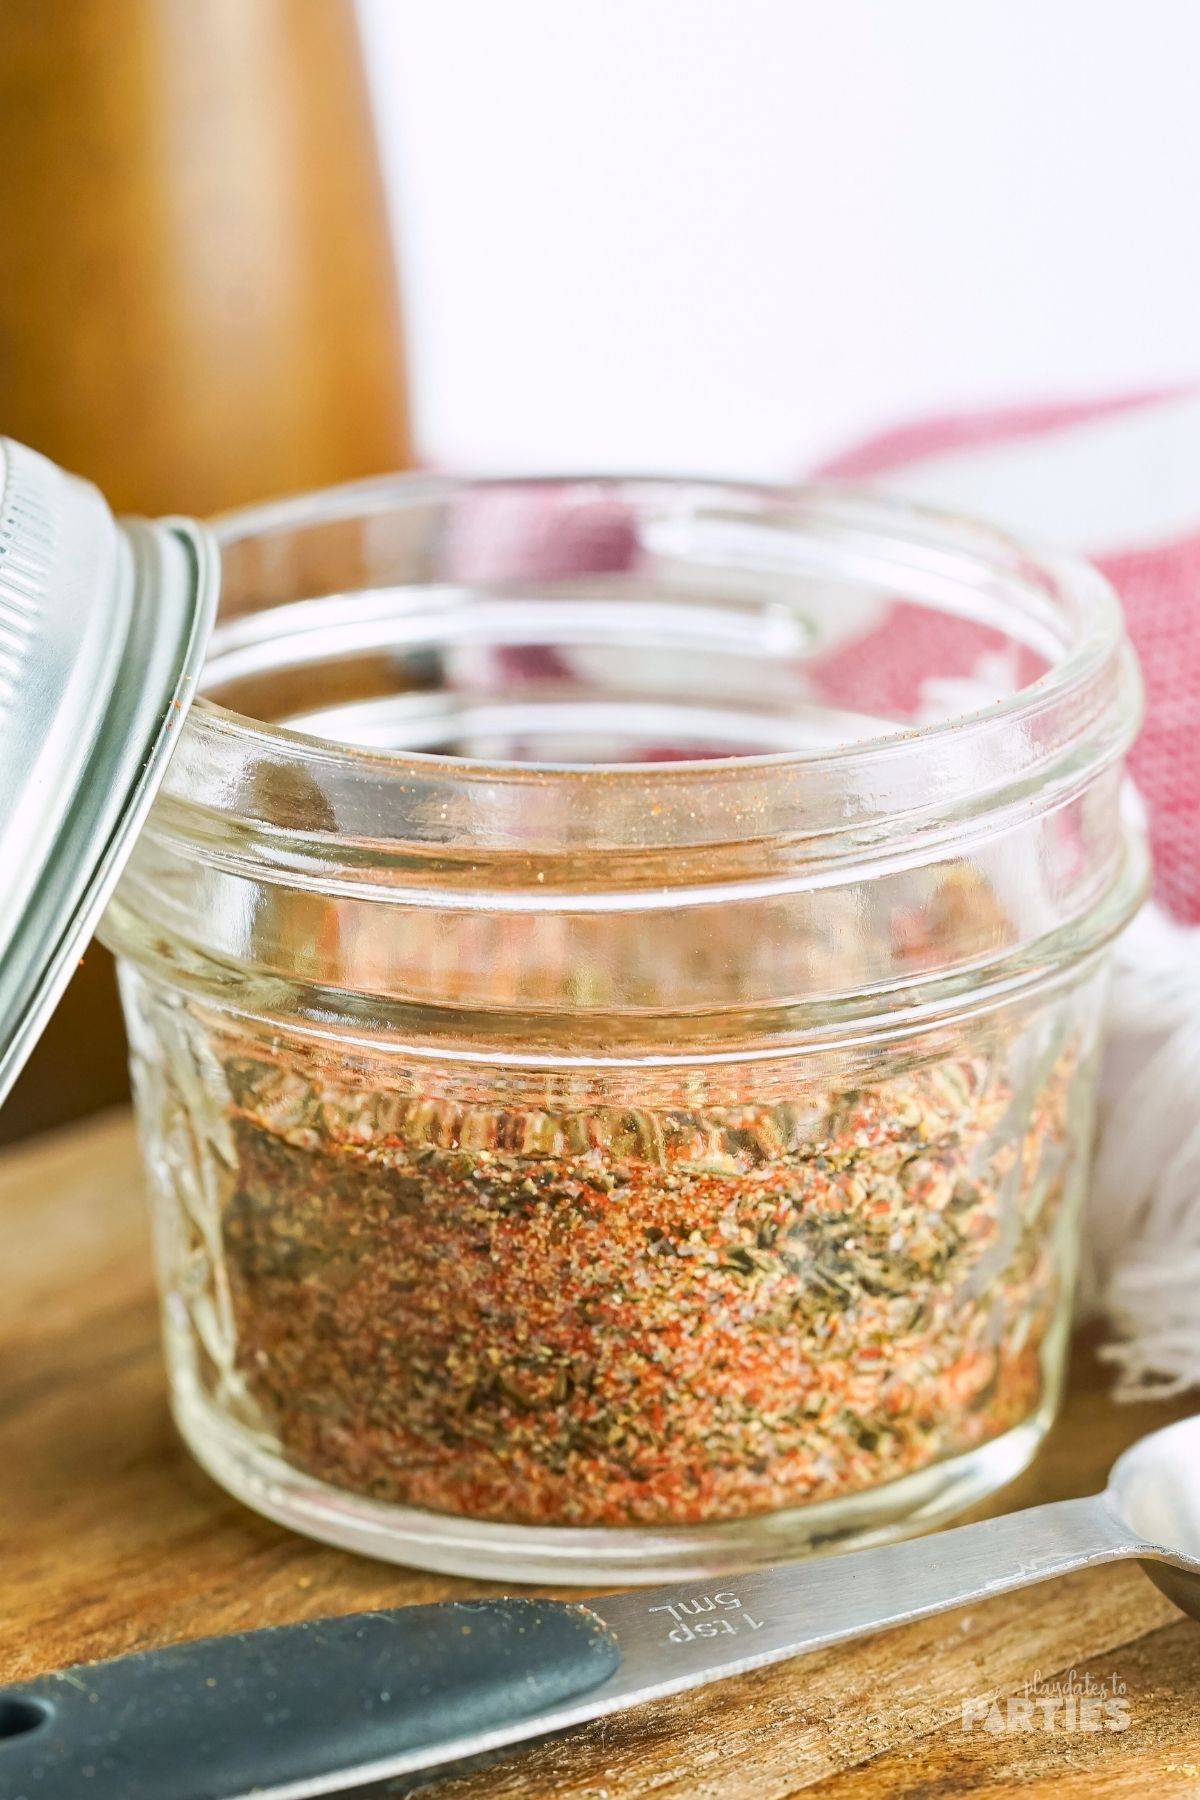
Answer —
(1070, 1702)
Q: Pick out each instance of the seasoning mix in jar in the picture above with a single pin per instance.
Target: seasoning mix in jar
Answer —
(613, 977)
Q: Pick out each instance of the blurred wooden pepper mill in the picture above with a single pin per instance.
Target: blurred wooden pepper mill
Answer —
(198, 303)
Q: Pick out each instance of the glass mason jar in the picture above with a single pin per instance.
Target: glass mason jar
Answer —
(613, 978)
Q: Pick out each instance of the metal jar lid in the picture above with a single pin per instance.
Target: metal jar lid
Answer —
(103, 628)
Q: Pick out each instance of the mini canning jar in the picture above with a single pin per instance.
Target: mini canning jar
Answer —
(613, 976)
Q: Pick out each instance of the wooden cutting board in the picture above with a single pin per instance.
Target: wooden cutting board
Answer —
(113, 1541)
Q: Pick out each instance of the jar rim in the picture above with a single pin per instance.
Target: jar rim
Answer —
(621, 909)
(1074, 718)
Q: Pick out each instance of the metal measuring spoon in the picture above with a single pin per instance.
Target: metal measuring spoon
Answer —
(303, 1710)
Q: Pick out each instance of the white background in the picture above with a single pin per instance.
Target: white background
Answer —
(731, 235)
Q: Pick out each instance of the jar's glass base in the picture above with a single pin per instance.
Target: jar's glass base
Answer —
(570, 1556)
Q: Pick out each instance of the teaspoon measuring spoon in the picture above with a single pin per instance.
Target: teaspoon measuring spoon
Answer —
(296, 1711)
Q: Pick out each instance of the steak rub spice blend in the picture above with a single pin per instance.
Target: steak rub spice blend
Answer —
(613, 979)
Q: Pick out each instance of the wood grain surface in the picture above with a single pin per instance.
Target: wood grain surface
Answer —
(112, 1540)
(198, 303)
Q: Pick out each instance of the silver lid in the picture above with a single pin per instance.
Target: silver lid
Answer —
(103, 627)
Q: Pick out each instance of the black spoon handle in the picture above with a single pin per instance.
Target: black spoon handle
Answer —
(261, 1711)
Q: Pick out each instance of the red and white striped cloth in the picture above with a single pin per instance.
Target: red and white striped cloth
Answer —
(1118, 480)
